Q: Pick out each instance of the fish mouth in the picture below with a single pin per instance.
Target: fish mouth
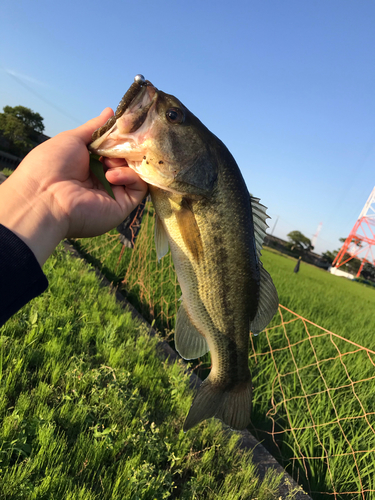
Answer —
(123, 134)
(130, 135)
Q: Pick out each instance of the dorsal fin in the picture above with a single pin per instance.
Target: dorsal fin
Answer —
(260, 225)
(268, 298)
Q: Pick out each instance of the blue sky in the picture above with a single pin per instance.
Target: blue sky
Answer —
(287, 85)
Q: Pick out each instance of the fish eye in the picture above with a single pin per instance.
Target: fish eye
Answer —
(175, 115)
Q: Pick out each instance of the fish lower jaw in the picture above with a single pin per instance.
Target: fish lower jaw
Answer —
(151, 177)
(138, 167)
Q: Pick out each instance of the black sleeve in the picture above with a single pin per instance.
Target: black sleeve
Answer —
(21, 277)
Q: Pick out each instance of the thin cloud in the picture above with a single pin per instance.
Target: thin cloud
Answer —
(26, 78)
(25, 82)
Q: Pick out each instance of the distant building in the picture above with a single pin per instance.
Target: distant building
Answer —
(282, 246)
(340, 272)
(9, 160)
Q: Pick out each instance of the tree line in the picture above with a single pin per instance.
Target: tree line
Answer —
(20, 128)
(299, 244)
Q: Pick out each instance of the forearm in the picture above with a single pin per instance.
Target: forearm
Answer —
(21, 278)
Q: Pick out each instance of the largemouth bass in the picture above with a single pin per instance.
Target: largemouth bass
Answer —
(215, 231)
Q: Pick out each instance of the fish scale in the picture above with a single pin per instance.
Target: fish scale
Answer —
(215, 231)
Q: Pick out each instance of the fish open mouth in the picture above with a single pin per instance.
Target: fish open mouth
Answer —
(132, 134)
(114, 139)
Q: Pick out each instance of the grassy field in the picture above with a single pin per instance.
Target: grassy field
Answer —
(345, 307)
(313, 404)
(88, 411)
(313, 393)
(6, 171)
(151, 286)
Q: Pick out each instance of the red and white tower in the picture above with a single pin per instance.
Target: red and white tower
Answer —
(361, 239)
(315, 237)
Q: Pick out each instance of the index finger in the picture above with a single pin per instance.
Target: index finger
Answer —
(114, 162)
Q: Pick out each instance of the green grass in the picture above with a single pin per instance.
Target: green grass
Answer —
(317, 388)
(308, 387)
(342, 306)
(6, 171)
(88, 410)
(312, 399)
(151, 286)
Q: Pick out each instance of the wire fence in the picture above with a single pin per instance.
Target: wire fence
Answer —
(320, 407)
(314, 391)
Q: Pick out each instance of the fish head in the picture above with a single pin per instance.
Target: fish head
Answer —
(161, 140)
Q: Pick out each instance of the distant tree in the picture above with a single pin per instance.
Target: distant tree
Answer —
(20, 126)
(353, 264)
(355, 240)
(368, 272)
(298, 242)
(31, 119)
(330, 256)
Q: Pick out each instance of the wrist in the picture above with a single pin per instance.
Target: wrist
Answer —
(28, 210)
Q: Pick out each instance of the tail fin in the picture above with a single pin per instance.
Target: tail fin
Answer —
(233, 407)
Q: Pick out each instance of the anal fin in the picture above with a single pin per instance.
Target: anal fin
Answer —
(189, 343)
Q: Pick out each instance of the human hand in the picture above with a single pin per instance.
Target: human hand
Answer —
(53, 195)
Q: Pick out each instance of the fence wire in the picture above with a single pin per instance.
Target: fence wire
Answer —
(320, 406)
(314, 391)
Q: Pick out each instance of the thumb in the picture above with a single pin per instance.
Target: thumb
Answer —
(86, 130)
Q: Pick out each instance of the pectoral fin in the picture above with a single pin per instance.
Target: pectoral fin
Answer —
(189, 230)
(161, 239)
(189, 343)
